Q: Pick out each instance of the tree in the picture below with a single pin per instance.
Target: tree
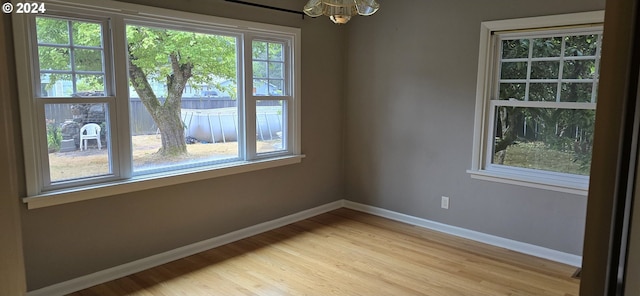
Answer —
(178, 57)
(55, 54)
(71, 51)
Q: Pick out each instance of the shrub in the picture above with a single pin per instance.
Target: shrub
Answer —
(54, 135)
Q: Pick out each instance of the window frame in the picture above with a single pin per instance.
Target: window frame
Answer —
(109, 99)
(41, 193)
(252, 100)
(488, 70)
(241, 99)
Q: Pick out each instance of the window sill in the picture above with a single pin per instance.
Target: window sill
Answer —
(59, 197)
(528, 181)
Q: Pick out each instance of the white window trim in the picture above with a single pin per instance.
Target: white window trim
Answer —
(151, 181)
(252, 101)
(36, 198)
(479, 167)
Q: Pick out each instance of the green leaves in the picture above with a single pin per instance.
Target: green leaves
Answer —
(512, 49)
(582, 45)
(54, 58)
(87, 34)
(52, 31)
(174, 59)
(212, 57)
(547, 47)
(70, 52)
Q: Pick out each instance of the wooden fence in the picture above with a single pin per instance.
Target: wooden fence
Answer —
(141, 121)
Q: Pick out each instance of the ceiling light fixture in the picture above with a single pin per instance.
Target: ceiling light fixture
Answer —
(341, 11)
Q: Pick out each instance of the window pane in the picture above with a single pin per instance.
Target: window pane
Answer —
(52, 31)
(89, 85)
(547, 47)
(276, 87)
(545, 70)
(584, 45)
(276, 52)
(580, 69)
(276, 70)
(513, 70)
(543, 91)
(87, 34)
(512, 49)
(260, 70)
(512, 91)
(78, 141)
(54, 58)
(184, 123)
(259, 50)
(261, 87)
(56, 85)
(270, 123)
(576, 92)
(558, 140)
(88, 60)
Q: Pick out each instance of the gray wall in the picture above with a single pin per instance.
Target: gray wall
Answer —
(412, 71)
(67, 241)
(398, 137)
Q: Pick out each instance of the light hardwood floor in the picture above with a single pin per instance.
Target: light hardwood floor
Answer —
(346, 252)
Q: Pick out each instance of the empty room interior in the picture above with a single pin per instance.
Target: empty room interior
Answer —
(430, 148)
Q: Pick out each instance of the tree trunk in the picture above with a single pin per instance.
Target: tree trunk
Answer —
(508, 121)
(166, 115)
(171, 128)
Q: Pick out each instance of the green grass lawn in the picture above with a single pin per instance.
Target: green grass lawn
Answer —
(536, 155)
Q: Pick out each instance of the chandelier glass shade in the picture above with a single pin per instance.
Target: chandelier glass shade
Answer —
(340, 11)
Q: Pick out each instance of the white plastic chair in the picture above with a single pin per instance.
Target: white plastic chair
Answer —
(90, 131)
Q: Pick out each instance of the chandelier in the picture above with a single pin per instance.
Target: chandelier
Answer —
(340, 11)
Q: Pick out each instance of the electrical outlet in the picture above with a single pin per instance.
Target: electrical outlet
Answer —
(444, 203)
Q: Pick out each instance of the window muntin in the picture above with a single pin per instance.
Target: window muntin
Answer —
(80, 63)
(542, 109)
(70, 57)
(70, 92)
(271, 94)
(557, 68)
(268, 68)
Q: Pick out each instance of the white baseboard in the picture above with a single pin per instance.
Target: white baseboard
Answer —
(513, 245)
(126, 269)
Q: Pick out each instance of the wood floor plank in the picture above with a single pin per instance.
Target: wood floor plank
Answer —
(345, 252)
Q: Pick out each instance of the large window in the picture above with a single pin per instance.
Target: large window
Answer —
(114, 102)
(537, 101)
(173, 128)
